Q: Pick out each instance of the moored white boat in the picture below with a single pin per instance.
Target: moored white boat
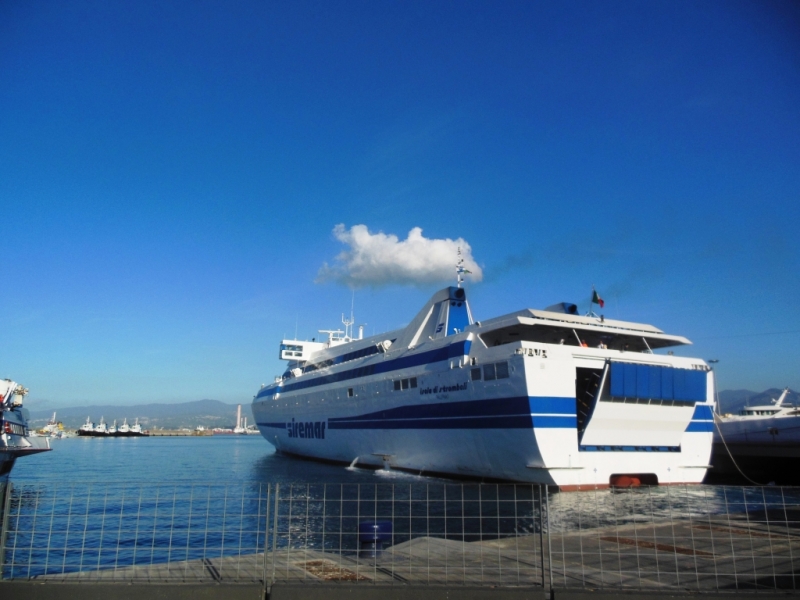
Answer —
(762, 441)
(15, 437)
(101, 429)
(87, 429)
(543, 396)
(136, 429)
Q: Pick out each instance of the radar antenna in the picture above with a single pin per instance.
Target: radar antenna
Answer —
(348, 323)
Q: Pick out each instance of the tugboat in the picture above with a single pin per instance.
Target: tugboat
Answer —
(87, 429)
(15, 438)
(124, 429)
(136, 429)
(101, 430)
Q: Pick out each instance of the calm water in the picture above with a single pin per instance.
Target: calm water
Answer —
(165, 460)
(251, 461)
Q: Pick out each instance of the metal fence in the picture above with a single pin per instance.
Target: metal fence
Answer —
(700, 538)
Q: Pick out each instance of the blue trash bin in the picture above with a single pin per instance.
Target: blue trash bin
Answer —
(371, 537)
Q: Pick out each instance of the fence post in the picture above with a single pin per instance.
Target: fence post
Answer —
(6, 504)
(275, 530)
(266, 589)
(546, 521)
(541, 535)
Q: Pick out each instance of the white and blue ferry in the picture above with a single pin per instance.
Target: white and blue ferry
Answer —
(543, 396)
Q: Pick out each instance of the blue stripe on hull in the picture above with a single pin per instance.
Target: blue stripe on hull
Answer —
(520, 412)
(701, 426)
(559, 422)
(504, 422)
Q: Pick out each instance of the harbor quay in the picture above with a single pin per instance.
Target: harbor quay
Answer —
(398, 541)
(30, 591)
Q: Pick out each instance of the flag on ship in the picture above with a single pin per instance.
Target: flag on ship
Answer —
(596, 299)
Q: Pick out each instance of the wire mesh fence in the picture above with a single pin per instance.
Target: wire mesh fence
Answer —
(135, 533)
(425, 534)
(700, 538)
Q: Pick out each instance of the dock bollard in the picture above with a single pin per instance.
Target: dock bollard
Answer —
(371, 536)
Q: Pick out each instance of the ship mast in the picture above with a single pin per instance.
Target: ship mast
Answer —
(460, 270)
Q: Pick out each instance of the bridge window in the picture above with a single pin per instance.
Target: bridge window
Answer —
(492, 371)
(502, 370)
(404, 384)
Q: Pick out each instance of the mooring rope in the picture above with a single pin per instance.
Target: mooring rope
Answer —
(724, 443)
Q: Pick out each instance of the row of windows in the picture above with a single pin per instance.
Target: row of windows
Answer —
(15, 428)
(490, 372)
(291, 348)
(360, 353)
(649, 401)
(404, 384)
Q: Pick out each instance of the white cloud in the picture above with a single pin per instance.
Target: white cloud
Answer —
(381, 259)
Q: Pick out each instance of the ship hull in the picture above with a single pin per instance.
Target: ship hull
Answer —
(527, 426)
(762, 449)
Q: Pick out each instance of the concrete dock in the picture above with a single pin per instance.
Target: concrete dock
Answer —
(731, 553)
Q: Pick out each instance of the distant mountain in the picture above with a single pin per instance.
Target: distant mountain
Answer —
(209, 413)
(732, 401)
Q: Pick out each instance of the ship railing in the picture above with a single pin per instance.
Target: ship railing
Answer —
(673, 538)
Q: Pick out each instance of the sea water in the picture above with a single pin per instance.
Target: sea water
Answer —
(231, 459)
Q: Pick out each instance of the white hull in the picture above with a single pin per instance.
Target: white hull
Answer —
(767, 431)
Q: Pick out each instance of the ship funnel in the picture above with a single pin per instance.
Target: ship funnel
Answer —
(446, 313)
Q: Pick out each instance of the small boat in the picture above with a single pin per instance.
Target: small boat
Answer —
(53, 429)
(101, 429)
(124, 429)
(87, 429)
(113, 429)
(136, 429)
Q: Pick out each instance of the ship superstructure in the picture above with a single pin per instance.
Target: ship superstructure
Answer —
(545, 396)
(15, 437)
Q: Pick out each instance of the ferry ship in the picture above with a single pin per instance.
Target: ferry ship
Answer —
(15, 437)
(542, 396)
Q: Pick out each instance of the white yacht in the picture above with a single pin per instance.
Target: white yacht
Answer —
(763, 440)
(545, 396)
(763, 424)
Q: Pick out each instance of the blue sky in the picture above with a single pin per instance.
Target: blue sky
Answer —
(171, 175)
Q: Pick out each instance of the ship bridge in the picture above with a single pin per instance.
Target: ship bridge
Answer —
(549, 327)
